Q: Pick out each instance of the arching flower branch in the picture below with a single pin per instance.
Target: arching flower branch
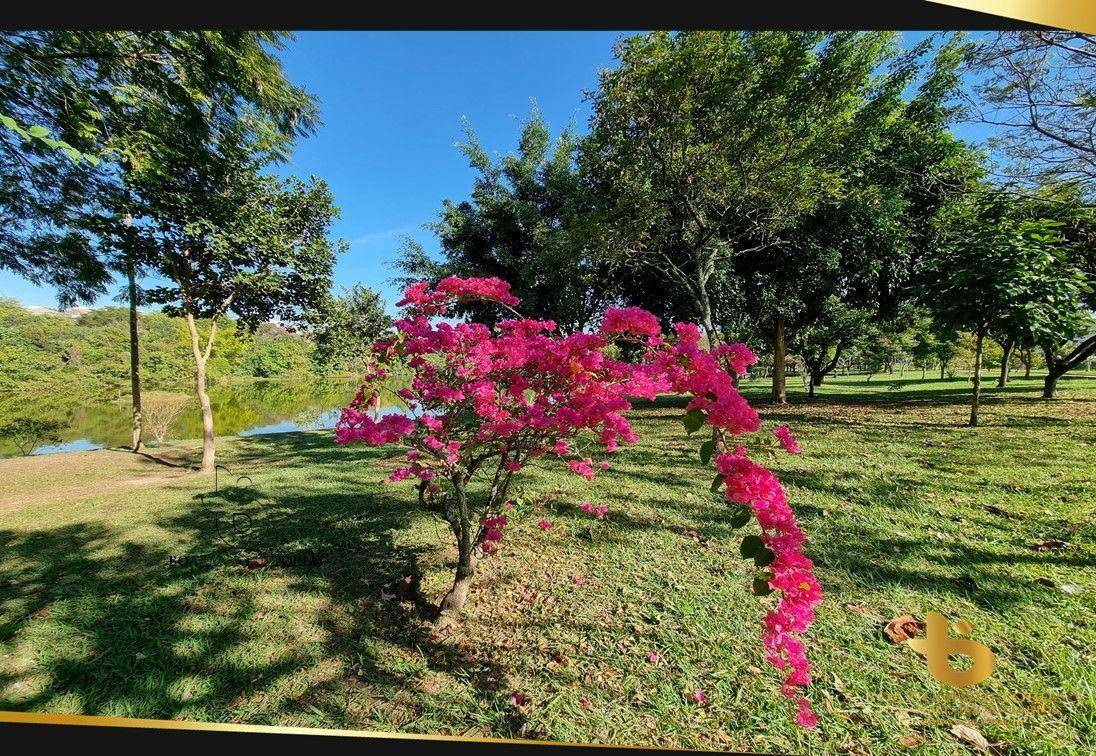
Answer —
(483, 403)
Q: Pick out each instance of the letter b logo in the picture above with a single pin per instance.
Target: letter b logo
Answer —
(938, 644)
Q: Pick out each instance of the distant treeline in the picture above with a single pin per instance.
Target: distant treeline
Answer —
(86, 356)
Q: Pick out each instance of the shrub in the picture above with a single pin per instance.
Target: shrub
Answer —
(28, 433)
(485, 402)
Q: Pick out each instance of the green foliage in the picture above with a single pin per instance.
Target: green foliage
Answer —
(997, 270)
(83, 110)
(345, 327)
(706, 144)
(27, 433)
(82, 359)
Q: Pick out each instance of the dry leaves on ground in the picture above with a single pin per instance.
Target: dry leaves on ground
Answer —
(901, 629)
(970, 736)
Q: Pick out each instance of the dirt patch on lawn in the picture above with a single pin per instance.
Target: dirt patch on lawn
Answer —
(59, 478)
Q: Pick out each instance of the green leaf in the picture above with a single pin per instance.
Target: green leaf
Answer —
(740, 518)
(707, 449)
(693, 420)
(717, 481)
(38, 131)
(751, 546)
(764, 557)
(761, 586)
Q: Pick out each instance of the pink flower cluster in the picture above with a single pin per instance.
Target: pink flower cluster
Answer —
(519, 392)
(492, 533)
(631, 320)
(784, 434)
(599, 511)
(434, 302)
(747, 482)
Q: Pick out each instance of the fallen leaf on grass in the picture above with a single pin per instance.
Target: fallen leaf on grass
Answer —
(970, 736)
(1049, 544)
(911, 741)
(994, 509)
(1071, 589)
(254, 563)
(901, 629)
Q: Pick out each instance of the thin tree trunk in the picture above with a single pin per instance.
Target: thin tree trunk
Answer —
(707, 321)
(943, 369)
(463, 528)
(1006, 357)
(200, 357)
(1026, 358)
(780, 392)
(134, 351)
(977, 377)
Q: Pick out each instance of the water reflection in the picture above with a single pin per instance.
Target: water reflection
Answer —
(242, 409)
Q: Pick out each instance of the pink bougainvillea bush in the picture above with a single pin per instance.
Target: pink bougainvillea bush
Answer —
(483, 403)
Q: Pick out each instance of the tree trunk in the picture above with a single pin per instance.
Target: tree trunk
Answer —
(780, 391)
(1050, 384)
(1006, 357)
(704, 270)
(134, 351)
(200, 357)
(464, 530)
(977, 377)
(1026, 359)
(943, 369)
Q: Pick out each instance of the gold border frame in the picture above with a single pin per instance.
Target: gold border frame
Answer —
(1076, 15)
(85, 720)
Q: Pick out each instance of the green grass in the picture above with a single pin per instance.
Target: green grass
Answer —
(124, 593)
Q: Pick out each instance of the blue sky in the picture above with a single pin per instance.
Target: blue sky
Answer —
(392, 104)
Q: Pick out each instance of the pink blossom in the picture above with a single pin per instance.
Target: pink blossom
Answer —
(806, 717)
(699, 697)
(481, 396)
(582, 467)
(630, 320)
(598, 511)
(787, 440)
(585, 703)
(653, 657)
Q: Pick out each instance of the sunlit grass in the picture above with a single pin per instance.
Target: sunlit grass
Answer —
(123, 593)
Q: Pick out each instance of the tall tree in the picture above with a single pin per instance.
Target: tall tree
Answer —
(528, 221)
(853, 253)
(709, 144)
(998, 271)
(231, 240)
(128, 98)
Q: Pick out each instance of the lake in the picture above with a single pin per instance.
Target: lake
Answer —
(239, 409)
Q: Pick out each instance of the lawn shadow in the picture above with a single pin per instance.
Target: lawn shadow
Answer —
(156, 624)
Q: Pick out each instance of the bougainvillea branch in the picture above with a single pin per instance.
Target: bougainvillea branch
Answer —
(483, 403)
